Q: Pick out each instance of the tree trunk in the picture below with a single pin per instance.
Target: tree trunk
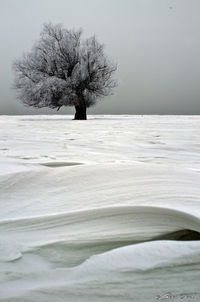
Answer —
(80, 113)
(81, 110)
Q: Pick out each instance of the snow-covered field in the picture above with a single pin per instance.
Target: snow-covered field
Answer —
(88, 208)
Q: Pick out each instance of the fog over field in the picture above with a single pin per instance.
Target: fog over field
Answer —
(156, 44)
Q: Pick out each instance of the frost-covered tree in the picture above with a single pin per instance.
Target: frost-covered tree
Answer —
(64, 70)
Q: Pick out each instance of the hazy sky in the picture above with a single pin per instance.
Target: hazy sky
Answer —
(156, 44)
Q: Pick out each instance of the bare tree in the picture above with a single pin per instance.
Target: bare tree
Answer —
(64, 70)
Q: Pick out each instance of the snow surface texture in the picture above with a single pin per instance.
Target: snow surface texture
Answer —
(88, 207)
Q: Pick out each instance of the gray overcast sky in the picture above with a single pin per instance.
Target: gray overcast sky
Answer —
(156, 44)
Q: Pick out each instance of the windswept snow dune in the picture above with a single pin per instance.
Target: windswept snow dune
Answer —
(106, 209)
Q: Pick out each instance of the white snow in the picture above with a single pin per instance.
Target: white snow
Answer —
(71, 190)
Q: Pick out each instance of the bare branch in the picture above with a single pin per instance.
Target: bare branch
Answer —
(63, 70)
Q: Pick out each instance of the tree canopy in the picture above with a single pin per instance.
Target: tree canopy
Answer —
(62, 69)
